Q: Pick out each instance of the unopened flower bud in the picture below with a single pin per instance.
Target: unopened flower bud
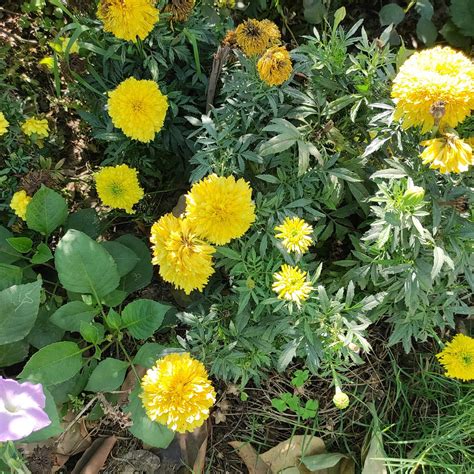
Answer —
(340, 399)
(413, 196)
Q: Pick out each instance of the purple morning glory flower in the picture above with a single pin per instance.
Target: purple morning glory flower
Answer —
(21, 409)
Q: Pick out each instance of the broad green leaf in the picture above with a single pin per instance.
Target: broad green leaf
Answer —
(84, 266)
(125, 258)
(7, 253)
(322, 461)
(9, 275)
(143, 317)
(42, 254)
(62, 392)
(462, 13)
(21, 244)
(19, 306)
(114, 298)
(150, 432)
(46, 211)
(425, 9)
(92, 332)
(314, 11)
(70, 316)
(426, 31)
(107, 376)
(13, 353)
(85, 220)
(391, 14)
(44, 332)
(148, 354)
(54, 364)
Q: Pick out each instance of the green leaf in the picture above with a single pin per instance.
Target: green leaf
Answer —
(279, 405)
(314, 11)
(148, 354)
(229, 253)
(426, 31)
(42, 254)
(339, 15)
(54, 364)
(125, 258)
(7, 253)
(13, 353)
(19, 306)
(424, 8)
(462, 14)
(85, 220)
(114, 298)
(150, 432)
(391, 14)
(9, 275)
(452, 34)
(277, 144)
(21, 244)
(84, 266)
(143, 317)
(44, 332)
(92, 332)
(107, 376)
(70, 316)
(141, 274)
(318, 462)
(438, 261)
(113, 320)
(46, 211)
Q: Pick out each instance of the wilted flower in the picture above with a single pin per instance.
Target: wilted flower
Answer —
(19, 203)
(255, 37)
(178, 393)
(458, 358)
(274, 67)
(21, 409)
(295, 234)
(340, 399)
(3, 124)
(291, 284)
(38, 127)
(180, 9)
(138, 108)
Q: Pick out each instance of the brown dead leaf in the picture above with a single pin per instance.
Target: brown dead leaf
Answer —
(94, 458)
(75, 440)
(251, 459)
(129, 383)
(193, 447)
(180, 206)
(219, 417)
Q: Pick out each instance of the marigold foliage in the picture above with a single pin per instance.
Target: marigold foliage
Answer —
(138, 108)
(39, 127)
(291, 284)
(458, 358)
(220, 208)
(177, 392)
(19, 203)
(436, 82)
(295, 234)
(449, 154)
(255, 37)
(128, 19)
(275, 67)
(118, 187)
(3, 124)
(184, 259)
(180, 9)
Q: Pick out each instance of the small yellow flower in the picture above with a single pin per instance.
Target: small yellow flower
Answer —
(38, 127)
(225, 3)
(138, 108)
(340, 399)
(128, 19)
(434, 86)
(3, 124)
(255, 37)
(180, 9)
(19, 203)
(184, 259)
(295, 234)
(177, 392)
(458, 358)
(449, 154)
(221, 209)
(274, 67)
(291, 284)
(118, 187)
(47, 62)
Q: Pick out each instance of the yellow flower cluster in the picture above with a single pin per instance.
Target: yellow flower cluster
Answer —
(128, 19)
(458, 358)
(295, 234)
(3, 124)
(118, 187)
(275, 67)
(177, 392)
(218, 209)
(35, 126)
(19, 203)
(138, 108)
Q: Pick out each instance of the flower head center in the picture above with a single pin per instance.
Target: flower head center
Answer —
(253, 30)
(116, 189)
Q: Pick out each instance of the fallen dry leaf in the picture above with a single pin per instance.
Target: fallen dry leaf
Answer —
(75, 440)
(251, 459)
(94, 458)
(219, 417)
(193, 447)
(129, 383)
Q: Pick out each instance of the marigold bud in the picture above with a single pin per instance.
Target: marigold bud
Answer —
(413, 196)
(340, 399)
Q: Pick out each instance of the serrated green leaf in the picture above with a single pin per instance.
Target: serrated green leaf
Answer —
(46, 211)
(107, 376)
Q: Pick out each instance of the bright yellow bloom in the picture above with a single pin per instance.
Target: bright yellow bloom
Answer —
(221, 209)
(184, 259)
(118, 187)
(436, 82)
(255, 37)
(47, 62)
(458, 358)
(340, 399)
(180, 9)
(3, 124)
(39, 127)
(449, 154)
(291, 284)
(177, 392)
(274, 67)
(19, 203)
(138, 108)
(295, 234)
(128, 19)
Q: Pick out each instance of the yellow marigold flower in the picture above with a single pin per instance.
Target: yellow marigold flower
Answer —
(291, 284)
(295, 234)
(128, 19)
(3, 124)
(138, 108)
(434, 85)
(118, 187)
(184, 259)
(180, 9)
(458, 358)
(19, 203)
(449, 154)
(255, 37)
(39, 127)
(177, 392)
(340, 399)
(220, 208)
(274, 67)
